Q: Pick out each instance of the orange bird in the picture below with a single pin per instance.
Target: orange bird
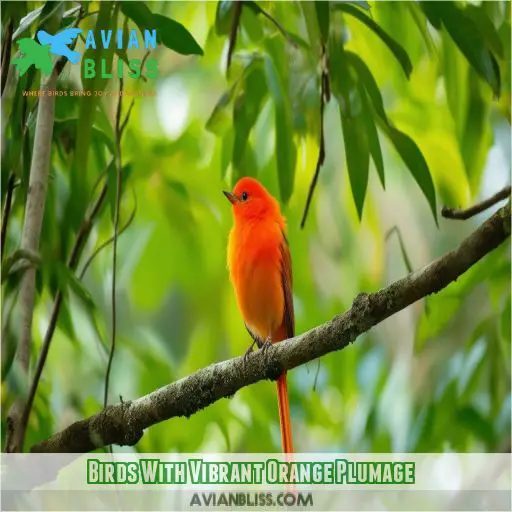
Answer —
(260, 268)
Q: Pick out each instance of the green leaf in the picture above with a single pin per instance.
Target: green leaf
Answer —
(169, 32)
(342, 83)
(373, 139)
(432, 13)
(455, 71)
(256, 9)
(68, 279)
(72, 13)
(45, 12)
(313, 29)
(176, 37)
(357, 154)
(322, 14)
(103, 122)
(485, 27)
(248, 165)
(359, 3)
(465, 33)
(505, 322)
(247, 108)
(67, 129)
(26, 22)
(78, 182)
(139, 13)
(415, 161)
(397, 50)
(10, 344)
(220, 119)
(421, 23)
(252, 25)
(285, 147)
(477, 134)
(366, 77)
(474, 421)
(223, 17)
(226, 151)
(66, 323)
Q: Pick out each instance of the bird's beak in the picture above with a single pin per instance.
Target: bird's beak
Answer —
(231, 197)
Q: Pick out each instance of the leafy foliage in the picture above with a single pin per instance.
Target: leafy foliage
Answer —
(418, 100)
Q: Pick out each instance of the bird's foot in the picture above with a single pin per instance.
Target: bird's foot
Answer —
(247, 353)
(266, 345)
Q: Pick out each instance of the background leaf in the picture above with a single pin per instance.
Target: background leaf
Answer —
(416, 163)
(392, 44)
(176, 37)
(466, 35)
(285, 156)
(355, 136)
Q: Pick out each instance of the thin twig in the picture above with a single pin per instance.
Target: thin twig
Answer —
(106, 243)
(142, 67)
(405, 257)
(325, 96)
(119, 168)
(317, 373)
(237, 12)
(463, 214)
(126, 118)
(92, 13)
(277, 24)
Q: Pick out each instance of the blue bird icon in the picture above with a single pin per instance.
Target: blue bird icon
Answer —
(58, 43)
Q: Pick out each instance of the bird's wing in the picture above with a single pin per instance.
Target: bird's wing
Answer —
(287, 282)
(67, 35)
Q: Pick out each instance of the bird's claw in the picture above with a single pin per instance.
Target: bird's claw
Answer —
(266, 345)
(247, 353)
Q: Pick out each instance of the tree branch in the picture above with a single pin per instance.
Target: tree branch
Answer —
(124, 423)
(119, 169)
(453, 213)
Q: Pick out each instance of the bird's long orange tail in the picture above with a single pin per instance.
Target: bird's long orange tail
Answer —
(284, 414)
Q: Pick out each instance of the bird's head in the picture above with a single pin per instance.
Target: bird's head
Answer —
(43, 37)
(250, 199)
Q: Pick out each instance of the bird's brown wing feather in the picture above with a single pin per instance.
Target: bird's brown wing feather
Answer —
(287, 282)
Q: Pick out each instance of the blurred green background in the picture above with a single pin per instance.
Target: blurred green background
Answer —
(435, 377)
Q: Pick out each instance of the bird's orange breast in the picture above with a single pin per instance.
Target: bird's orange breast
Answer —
(254, 261)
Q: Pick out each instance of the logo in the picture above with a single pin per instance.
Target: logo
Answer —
(39, 53)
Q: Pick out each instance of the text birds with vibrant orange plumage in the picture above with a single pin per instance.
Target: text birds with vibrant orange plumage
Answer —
(260, 268)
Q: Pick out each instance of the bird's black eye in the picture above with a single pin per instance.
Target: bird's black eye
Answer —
(245, 195)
